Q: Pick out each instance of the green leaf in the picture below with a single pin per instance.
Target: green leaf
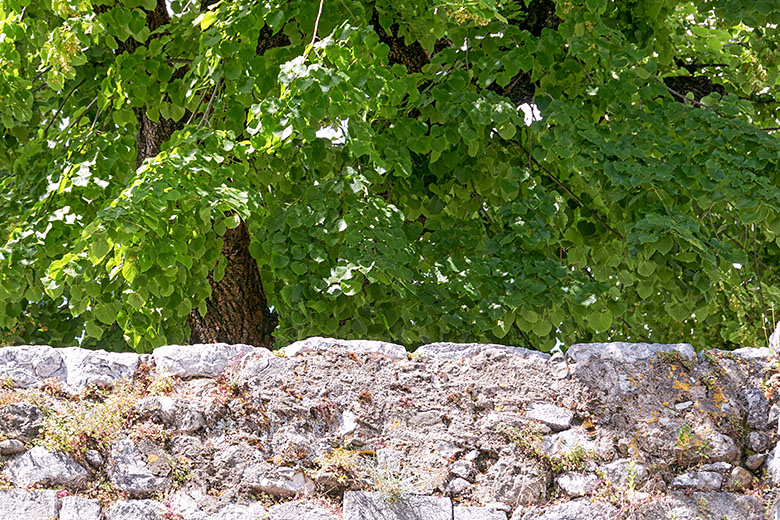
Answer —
(600, 320)
(206, 19)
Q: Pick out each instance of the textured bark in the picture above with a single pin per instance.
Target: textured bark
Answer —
(237, 310)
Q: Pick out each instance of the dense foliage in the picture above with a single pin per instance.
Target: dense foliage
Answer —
(378, 154)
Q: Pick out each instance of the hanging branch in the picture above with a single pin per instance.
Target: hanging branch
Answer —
(211, 102)
(62, 104)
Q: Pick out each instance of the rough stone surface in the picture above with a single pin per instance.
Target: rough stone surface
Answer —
(754, 461)
(555, 417)
(317, 344)
(454, 351)
(20, 421)
(281, 481)
(623, 471)
(758, 408)
(361, 505)
(135, 510)
(491, 426)
(129, 472)
(701, 480)
(11, 447)
(772, 465)
(625, 352)
(701, 505)
(28, 365)
(79, 508)
(477, 513)
(299, 511)
(178, 415)
(578, 509)
(757, 441)
(577, 484)
(200, 360)
(96, 367)
(20, 504)
(40, 466)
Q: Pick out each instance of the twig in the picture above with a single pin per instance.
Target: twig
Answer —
(62, 104)
(316, 24)
(348, 10)
(192, 115)
(771, 129)
(41, 73)
(758, 276)
(211, 102)
(75, 121)
(692, 101)
(178, 60)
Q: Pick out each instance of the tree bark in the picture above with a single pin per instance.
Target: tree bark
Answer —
(237, 310)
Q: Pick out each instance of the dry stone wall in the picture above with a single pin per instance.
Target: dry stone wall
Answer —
(328, 429)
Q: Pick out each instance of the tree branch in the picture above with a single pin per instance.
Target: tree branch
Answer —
(211, 102)
(62, 104)
(83, 113)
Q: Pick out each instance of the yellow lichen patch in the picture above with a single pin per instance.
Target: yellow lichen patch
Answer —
(679, 385)
(153, 458)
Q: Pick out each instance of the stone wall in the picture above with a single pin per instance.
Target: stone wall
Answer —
(328, 429)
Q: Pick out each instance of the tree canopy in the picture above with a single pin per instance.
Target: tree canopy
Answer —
(369, 169)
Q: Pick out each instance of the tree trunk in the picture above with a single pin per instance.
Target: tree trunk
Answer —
(237, 310)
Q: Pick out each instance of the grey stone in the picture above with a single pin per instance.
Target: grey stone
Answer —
(578, 509)
(701, 480)
(94, 458)
(462, 468)
(79, 508)
(20, 421)
(555, 417)
(458, 485)
(129, 472)
(741, 478)
(178, 415)
(477, 513)
(558, 366)
(11, 447)
(722, 467)
(758, 408)
(299, 511)
(772, 466)
(577, 484)
(683, 406)
(622, 471)
(513, 480)
(239, 512)
(446, 351)
(20, 504)
(757, 441)
(697, 505)
(40, 466)
(135, 510)
(625, 352)
(317, 343)
(279, 480)
(754, 461)
(96, 367)
(28, 365)
(721, 448)
(208, 360)
(362, 505)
